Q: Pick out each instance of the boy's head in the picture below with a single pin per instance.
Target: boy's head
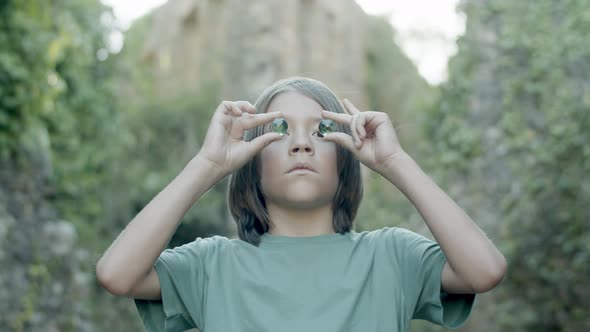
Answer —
(266, 179)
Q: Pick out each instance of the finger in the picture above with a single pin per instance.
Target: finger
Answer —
(342, 139)
(341, 118)
(360, 126)
(346, 110)
(245, 106)
(350, 107)
(260, 142)
(355, 135)
(230, 108)
(252, 120)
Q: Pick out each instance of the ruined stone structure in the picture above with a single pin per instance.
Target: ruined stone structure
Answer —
(247, 45)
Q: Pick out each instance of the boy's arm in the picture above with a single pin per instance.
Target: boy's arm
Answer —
(127, 267)
(474, 264)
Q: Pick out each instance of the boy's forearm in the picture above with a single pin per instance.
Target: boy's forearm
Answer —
(137, 247)
(469, 252)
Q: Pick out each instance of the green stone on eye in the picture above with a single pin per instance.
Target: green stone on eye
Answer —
(279, 126)
(326, 127)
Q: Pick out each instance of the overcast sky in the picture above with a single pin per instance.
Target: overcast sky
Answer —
(426, 29)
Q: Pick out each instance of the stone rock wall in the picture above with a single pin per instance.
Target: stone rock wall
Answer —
(247, 45)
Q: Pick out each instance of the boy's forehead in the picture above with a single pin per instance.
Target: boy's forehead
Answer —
(295, 106)
(304, 115)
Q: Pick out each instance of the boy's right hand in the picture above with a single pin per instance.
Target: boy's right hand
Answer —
(224, 145)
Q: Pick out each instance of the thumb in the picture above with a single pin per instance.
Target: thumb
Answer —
(262, 141)
(342, 139)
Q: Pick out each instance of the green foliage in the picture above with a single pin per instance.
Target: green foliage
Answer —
(163, 135)
(58, 117)
(38, 274)
(106, 142)
(55, 93)
(28, 84)
(165, 130)
(521, 73)
(393, 82)
(393, 86)
(38, 73)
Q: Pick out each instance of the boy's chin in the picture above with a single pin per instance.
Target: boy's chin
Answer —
(306, 201)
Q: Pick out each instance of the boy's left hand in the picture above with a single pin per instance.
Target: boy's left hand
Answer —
(373, 141)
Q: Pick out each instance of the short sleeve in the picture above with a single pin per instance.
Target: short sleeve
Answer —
(182, 275)
(422, 262)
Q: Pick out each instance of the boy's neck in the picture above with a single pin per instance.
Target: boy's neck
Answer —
(300, 222)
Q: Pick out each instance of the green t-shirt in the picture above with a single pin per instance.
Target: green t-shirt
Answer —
(358, 281)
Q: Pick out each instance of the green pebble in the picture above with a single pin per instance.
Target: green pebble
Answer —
(326, 127)
(279, 126)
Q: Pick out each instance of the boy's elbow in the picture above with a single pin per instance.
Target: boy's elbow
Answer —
(110, 283)
(493, 278)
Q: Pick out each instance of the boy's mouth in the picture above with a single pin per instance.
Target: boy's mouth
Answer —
(302, 167)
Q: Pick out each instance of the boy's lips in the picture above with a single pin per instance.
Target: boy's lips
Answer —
(302, 166)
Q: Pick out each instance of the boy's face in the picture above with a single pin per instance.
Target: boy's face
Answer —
(301, 144)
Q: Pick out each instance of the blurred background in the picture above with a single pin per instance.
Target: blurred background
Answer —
(103, 103)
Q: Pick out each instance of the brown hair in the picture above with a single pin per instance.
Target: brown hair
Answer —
(245, 198)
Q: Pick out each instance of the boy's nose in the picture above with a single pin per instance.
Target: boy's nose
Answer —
(301, 144)
(301, 147)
